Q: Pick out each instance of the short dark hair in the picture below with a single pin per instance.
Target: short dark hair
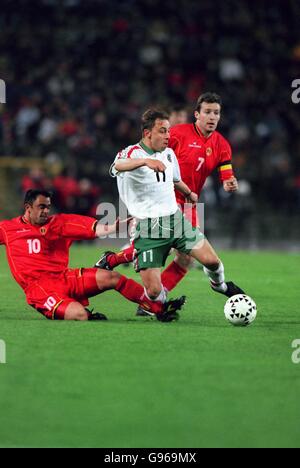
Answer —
(210, 98)
(149, 117)
(32, 195)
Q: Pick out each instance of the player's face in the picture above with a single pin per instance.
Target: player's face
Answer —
(208, 117)
(38, 212)
(159, 135)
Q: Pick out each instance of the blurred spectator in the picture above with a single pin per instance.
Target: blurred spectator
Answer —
(26, 121)
(66, 190)
(35, 179)
(80, 75)
(178, 114)
(88, 198)
(241, 206)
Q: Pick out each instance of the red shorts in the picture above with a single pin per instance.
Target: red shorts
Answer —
(52, 294)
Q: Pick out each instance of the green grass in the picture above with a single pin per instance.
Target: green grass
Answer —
(134, 382)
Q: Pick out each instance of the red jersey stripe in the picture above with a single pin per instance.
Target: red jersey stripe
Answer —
(132, 150)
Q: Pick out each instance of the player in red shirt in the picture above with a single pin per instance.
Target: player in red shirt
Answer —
(37, 247)
(200, 149)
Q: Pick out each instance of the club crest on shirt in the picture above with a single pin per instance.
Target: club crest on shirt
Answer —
(208, 151)
(43, 231)
(169, 157)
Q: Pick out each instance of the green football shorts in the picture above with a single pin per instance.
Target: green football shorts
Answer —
(155, 237)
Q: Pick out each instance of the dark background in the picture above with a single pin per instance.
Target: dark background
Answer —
(80, 73)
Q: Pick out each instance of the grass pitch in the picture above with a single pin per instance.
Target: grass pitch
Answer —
(134, 382)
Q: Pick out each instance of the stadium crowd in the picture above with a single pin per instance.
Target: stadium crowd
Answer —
(79, 73)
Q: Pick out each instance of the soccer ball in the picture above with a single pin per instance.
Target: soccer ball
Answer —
(240, 310)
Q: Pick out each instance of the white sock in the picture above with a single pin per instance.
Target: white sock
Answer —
(162, 297)
(217, 277)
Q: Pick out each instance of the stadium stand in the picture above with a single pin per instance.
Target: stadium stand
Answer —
(79, 73)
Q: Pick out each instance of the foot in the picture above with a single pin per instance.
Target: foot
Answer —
(103, 261)
(171, 308)
(97, 316)
(232, 289)
(142, 312)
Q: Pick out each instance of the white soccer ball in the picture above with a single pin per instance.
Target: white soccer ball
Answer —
(240, 310)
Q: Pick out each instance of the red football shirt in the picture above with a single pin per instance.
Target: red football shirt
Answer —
(33, 251)
(199, 156)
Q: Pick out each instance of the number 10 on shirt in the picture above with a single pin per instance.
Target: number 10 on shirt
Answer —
(34, 246)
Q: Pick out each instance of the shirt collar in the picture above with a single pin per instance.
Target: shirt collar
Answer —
(198, 131)
(24, 220)
(146, 148)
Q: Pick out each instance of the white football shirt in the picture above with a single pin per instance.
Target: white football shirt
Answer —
(148, 194)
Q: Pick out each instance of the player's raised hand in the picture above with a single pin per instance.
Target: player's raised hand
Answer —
(156, 166)
(106, 229)
(231, 185)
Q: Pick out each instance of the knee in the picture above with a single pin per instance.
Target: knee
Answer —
(114, 279)
(107, 279)
(76, 311)
(81, 315)
(153, 292)
(184, 261)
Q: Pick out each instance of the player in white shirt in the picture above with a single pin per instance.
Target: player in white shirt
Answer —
(147, 175)
(148, 190)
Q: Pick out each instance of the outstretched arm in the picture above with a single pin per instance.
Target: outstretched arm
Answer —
(76, 227)
(103, 230)
(132, 164)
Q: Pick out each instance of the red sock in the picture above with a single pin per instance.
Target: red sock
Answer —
(134, 292)
(172, 275)
(125, 256)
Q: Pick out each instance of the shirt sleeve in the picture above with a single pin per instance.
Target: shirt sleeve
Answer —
(176, 169)
(112, 171)
(225, 162)
(75, 227)
(2, 241)
(127, 153)
(174, 142)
